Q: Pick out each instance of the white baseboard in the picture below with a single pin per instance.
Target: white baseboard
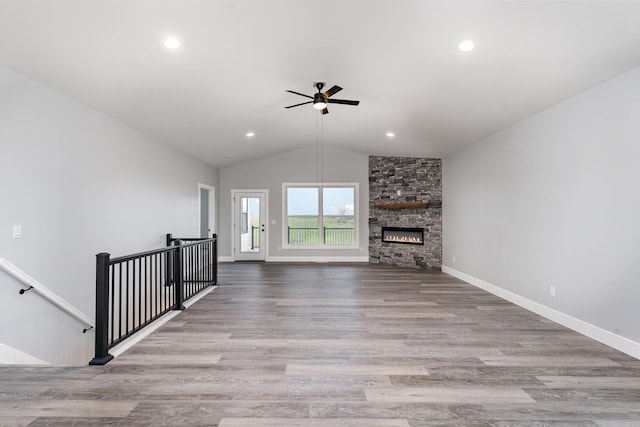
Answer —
(618, 342)
(318, 259)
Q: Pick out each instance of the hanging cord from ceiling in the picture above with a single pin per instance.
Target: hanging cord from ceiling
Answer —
(320, 150)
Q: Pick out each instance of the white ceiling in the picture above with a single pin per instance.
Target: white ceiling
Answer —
(398, 57)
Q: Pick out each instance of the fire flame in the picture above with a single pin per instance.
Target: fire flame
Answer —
(402, 239)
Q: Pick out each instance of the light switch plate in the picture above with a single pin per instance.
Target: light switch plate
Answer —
(17, 231)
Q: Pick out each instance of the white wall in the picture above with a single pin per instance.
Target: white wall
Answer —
(555, 201)
(297, 166)
(79, 183)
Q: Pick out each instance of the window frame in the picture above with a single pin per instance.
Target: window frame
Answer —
(321, 245)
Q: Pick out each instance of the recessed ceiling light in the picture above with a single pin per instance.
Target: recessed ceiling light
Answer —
(251, 134)
(466, 46)
(171, 43)
(390, 135)
(228, 156)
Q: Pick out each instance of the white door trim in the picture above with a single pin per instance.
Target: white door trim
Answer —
(234, 192)
(212, 207)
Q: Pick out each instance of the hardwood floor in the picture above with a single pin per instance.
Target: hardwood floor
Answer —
(341, 346)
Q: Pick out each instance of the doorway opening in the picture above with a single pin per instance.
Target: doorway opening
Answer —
(206, 209)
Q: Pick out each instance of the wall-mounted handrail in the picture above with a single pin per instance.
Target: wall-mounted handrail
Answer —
(33, 284)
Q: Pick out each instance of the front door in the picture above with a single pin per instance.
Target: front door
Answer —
(250, 237)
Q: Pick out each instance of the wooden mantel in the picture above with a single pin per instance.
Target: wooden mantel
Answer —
(402, 205)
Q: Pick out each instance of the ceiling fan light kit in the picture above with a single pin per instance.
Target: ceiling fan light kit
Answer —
(319, 102)
(321, 99)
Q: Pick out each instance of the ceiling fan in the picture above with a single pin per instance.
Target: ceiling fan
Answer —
(321, 99)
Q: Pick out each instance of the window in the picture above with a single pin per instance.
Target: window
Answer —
(244, 218)
(320, 216)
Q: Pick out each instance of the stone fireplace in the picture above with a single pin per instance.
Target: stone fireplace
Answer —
(405, 196)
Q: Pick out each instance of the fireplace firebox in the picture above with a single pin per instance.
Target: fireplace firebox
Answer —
(411, 236)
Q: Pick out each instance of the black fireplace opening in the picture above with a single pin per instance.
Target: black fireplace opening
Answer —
(411, 236)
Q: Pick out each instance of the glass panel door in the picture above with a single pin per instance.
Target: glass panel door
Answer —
(250, 227)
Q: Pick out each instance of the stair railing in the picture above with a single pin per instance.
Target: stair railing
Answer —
(133, 291)
(48, 294)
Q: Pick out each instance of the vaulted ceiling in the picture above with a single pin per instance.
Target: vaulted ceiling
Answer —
(398, 57)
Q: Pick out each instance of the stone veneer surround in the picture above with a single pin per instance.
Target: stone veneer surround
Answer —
(417, 180)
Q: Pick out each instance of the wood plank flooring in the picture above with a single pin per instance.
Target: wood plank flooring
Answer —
(337, 345)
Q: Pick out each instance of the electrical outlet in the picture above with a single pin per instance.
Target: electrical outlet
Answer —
(552, 291)
(453, 258)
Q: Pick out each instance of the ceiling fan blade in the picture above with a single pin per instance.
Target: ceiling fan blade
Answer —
(335, 89)
(301, 94)
(325, 111)
(342, 101)
(297, 105)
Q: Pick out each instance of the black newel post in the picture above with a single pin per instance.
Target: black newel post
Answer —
(177, 277)
(102, 355)
(215, 259)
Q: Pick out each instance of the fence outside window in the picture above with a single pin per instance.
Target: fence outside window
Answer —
(331, 236)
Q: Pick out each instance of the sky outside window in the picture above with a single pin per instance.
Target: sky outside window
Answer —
(337, 201)
(302, 201)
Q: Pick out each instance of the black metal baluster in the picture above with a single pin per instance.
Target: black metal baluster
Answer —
(139, 291)
(188, 264)
(126, 299)
(203, 252)
(149, 286)
(146, 287)
(192, 272)
(186, 267)
(133, 297)
(168, 301)
(215, 259)
(193, 258)
(157, 272)
(207, 274)
(162, 289)
(168, 260)
(120, 322)
(112, 320)
(194, 269)
(212, 263)
(158, 286)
